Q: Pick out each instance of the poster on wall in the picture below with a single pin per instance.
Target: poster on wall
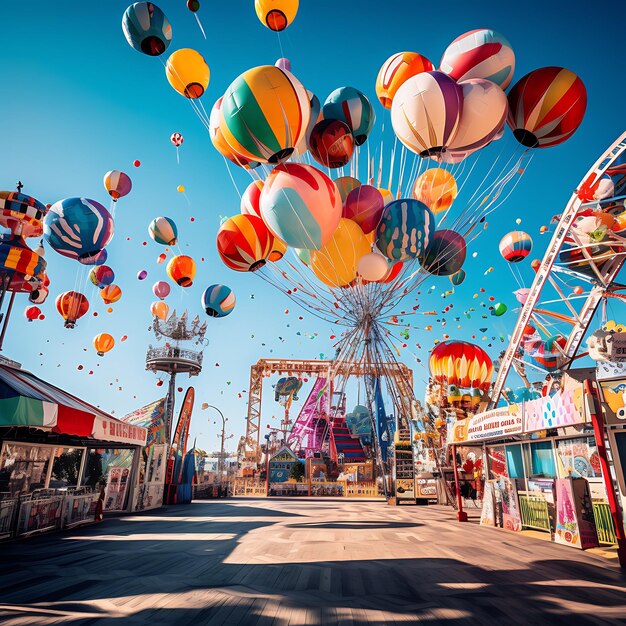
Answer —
(575, 524)
(511, 518)
(488, 514)
(115, 494)
(405, 488)
(614, 401)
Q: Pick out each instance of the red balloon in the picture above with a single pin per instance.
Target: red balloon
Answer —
(364, 205)
(331, 143)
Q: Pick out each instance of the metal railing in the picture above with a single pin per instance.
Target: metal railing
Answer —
(80, 508)
(8, 510)
(171, 352)
(39, 514)
(604, 522)
(534, 511)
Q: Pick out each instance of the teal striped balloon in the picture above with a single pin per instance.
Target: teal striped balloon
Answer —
(163, 230)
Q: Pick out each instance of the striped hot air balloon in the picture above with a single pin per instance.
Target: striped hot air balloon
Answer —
(405, 230)
(462, 364)
(516, 246)
(72, 305)
(146, 28)
(78, 228)
(481, 53)
(352, 107)
(218, 300)
(117, 184)
(546, 107)
(264, 114)
(426, 111)
(301, 205)
(395, 71)
(163, 230)
(244, 243)
(251, 198)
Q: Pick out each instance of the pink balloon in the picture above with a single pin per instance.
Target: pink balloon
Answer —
(283, 64)
(364, 205)
(161, 289)
(251, 198)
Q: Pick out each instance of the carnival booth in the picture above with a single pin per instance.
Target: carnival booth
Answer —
(542, 470)
(62, 460)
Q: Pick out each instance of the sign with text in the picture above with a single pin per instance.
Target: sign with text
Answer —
(494, 424)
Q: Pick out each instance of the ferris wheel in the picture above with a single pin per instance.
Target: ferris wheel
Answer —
(576, 275)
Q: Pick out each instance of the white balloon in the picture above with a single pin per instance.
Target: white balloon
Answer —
(373, 266)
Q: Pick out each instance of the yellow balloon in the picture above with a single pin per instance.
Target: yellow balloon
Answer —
(276, 14)
(188, 73)
(436, 188)
(180, 188)
(278, 250)
(336, 263)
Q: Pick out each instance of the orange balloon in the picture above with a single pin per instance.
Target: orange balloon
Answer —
(396, 70)
(436, 188)
(103, 343)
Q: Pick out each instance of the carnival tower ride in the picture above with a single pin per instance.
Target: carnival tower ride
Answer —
(172, 358)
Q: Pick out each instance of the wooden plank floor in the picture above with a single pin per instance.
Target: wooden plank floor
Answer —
(299, 562)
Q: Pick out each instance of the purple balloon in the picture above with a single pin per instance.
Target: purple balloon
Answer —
(283, 64)
(161, 289)
(364, 205)
(142, 275)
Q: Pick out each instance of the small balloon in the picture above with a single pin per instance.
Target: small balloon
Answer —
(142, 275)
(180, 188)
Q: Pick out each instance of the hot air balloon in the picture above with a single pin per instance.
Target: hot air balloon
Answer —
(335, 264)
(515, 246)
(103, 343)
(110, 294)
(331, 143)
(352, 107)
(264, 114)
(161, 289)
(364, 205)
(218, 300)
(160, 309)
(146, 28)
(278, 250)
(445, 253)
(546, 107)
(244, 243)
(97, 259)
(177, 139)
(251, 198)
(426, 111)
(301, 205)
(276, 14)
(78, 228)
(23, 215)
(396, 70)
(163, 230)
(436, 188)
(102, 276)
(71, 305)
(142, 275)
(117, 184)
(32, 313)
(187, 72)
(481, 53)
(405, 230)
(182, 270)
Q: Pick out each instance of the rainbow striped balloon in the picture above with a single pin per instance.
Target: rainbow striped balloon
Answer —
(118, 184)
(515, 246)
(481, 53)
(546, 107)
(244, 243)
(264, 114)
(301, 205)
(405, 230)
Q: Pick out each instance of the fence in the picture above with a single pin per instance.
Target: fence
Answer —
(8, 509)
(249, 487)
(80, 508)
(534, 511)
(38, 514)
(335, 489)
(362, 490)
(604, 522)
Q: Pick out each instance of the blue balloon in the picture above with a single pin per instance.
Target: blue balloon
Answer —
(146, 28)
(405, 230)
(352, 107)
(218, 300)
(78, 228)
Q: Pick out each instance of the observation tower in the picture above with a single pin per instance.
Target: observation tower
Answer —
(174, 357)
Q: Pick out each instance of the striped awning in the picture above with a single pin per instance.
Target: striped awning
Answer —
(26, 400)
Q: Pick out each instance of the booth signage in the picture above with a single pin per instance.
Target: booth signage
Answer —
(562, 409)
(494, 424)
(116, 431)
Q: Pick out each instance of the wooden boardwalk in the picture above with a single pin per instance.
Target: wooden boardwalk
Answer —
(299, 562)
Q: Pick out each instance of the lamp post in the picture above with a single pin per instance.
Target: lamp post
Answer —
(220, 461)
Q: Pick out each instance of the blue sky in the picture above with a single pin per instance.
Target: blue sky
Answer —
(78, 101)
